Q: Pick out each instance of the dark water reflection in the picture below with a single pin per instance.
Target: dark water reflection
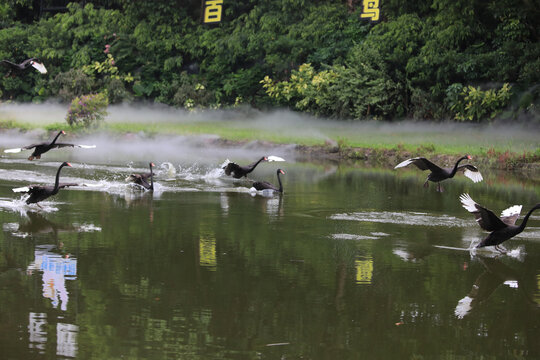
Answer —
(348, 263)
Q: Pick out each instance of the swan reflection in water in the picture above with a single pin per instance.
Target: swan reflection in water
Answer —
(496, 273)
(33, 223)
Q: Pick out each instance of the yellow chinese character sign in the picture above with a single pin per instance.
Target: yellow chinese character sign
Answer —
(212, 11)
(370, 10)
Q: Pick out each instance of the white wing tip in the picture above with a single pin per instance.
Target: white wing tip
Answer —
(274, 158)
(39, 67)
(23, 189)
(511, 211)
(15, 150)
(475, 176)
(404, 163)
(468, 203)
(86, 146)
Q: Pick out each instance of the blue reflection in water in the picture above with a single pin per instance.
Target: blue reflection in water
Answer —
(56, 270)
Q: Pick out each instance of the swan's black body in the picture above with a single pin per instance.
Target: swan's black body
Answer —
(142, 179)
(501, 229)
(26, 64)
(42, 148)
(439, 174)
(23, 66)
(238, 171)
(39, 193)
(264, 185)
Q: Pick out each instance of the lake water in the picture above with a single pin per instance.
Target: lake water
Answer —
(349, 263)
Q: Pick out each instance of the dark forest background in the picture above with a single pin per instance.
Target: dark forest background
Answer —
(468, 60)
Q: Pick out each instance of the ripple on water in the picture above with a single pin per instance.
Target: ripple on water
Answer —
(372, 236)
(408, 218)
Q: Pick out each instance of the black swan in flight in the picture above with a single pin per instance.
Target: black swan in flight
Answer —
(42, 148)
(264, 185)
(39, 192)
(238, 171)
(142, 179)
(502, 228)
(32, 62)
(439, 174)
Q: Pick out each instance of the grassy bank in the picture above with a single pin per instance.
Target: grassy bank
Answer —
(374, 142)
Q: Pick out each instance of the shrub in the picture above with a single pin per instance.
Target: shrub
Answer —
(87, 110)
(306, 90)
(474, 104)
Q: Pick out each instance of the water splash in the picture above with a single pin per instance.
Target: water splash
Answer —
(167, 171)
(20, 206)
(517, 253)
(463, 307)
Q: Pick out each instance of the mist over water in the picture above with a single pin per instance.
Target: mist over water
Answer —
(517, 136)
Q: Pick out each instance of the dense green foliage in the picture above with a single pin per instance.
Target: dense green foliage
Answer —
(414, 63)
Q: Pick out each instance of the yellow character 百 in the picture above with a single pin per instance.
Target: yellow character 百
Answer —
(212, 11)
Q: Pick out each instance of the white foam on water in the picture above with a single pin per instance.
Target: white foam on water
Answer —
(87, 227)
(407, 218)
(352, 237)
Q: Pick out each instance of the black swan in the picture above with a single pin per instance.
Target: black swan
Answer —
(142, 179)
(264, 185)
(439, 174)
(238, 171)
(502, 228)
(42, 148)
(39, 192)
(32, 62)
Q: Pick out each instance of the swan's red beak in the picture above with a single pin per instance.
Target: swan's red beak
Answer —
(68, 164)
(152, 164)
(63, 132)
(469, 157)
(265, 158)
(281, 171)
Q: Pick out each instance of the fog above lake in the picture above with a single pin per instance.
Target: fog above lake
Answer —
(140, 146)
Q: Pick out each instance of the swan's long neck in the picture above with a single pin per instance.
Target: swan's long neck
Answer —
(56, 138)
(456, 166)
(57, 180)
(151, 178)
(526, 218)
(255, 164)
(280, 184)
